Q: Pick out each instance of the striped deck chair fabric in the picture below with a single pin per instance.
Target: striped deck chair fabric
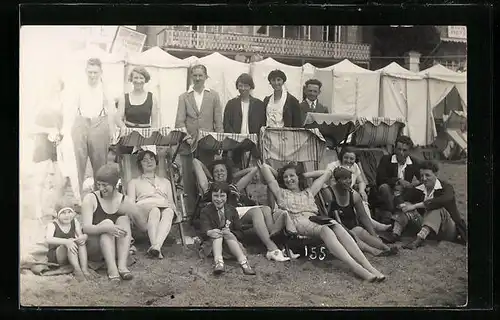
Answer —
(378, 131)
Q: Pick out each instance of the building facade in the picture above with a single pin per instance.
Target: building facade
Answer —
(452, 50)
(294, 45)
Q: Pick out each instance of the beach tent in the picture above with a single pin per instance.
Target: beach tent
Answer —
(440, 82)
(350, 89)
(222, 75)
(167, 83)
(261, 69)
(402, 95)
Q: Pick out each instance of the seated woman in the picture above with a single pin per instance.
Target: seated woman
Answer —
(261, 217)
(154, 198)
(105, 220)
(300, 205)
(347, 160)
(348, 209)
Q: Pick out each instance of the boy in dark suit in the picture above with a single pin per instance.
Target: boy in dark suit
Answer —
(395, 174)
(312, 89)
(221, 223)
(435, 200)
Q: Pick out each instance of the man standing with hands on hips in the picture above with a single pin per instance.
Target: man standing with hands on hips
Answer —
(90, 119)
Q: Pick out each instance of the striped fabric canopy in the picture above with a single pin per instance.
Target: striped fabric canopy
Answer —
(226, 141)
(150, 136)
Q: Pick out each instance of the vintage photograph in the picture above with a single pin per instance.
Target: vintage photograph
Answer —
(243, 166)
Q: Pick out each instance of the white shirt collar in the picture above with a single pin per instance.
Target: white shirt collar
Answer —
(191, 89)
(394, 159)
(437, 186)
(311, 102)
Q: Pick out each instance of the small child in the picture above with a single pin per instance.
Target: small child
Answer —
(67, 242)
(220, 222)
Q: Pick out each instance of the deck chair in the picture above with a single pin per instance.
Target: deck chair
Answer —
(222, 143)
(375, 138)
(159, 137)
(304, 146)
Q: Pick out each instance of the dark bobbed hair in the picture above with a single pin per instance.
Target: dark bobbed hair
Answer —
(142, 71)
(276, 74)
(141, 155)
(219, 186)
(429, 165)
(314, 82)
(341, 173)
(404, 140)
(347, 149)
(226, 164)
(245, 78)
(299, 170)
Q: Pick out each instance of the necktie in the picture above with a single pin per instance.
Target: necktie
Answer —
(313, 105)
(222, 217)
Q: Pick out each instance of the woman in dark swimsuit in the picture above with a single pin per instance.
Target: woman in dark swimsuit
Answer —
(345, 204)
(105, 216)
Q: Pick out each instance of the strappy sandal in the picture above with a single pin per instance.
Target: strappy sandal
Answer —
(114, 279)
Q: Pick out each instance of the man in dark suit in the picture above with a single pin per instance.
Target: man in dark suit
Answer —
(244, 114)
(395, 173)
(312, 89)
(434, 200)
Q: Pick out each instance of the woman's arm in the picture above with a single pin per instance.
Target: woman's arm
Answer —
(50, 239)
(120, 113)
(314, 174)
(200, 175)
(245, 181)
(155, 114)
(242, 173)
(270, 180)
(131, 193)
(318, 183)
(362, 215)
(89, 204)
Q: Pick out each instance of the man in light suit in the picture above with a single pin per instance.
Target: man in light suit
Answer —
(199, 108)
(312, 89)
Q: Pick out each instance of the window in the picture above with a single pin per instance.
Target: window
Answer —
(333, 33)
(237, 29)
(305, 32)
(261, 30)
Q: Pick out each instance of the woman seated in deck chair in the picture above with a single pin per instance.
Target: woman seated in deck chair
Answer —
(263, 221)
(348, 161)
(154, 198)
(347, 208)
(300, 205)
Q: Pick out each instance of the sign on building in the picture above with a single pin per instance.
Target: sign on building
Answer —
(128, 41)
(458, 32)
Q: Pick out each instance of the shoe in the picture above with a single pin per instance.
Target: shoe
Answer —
(133, 250)
(247, 269)
(418, 242)
(293, 255)
(219, 268)
(126, 275)
(276, 255)
(391, 252)
(390, 237)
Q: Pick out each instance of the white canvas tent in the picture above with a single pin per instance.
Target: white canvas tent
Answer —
(261, 69)
(168, 80)
(350, 89)
(222, 75)
(440, 81)
(402, 95)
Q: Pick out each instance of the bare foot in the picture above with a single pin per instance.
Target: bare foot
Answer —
(160, 255)
(90, 274)
(79, 275)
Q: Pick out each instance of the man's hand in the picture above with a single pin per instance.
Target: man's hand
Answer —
(407, 207)
(214, 233)
(405, 184)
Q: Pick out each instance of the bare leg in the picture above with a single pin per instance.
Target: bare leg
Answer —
(235, 249)
(261, 228)
(217, 249)
(167, 216)
(352, 248)
(377, 225)
(335, 247)
(123, 244)
(63, 255)
(369, 239)
(108, 249)
(366, 248)
(153, 222)
(82, 257)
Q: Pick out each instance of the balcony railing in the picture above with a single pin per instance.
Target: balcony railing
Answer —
(225, 42)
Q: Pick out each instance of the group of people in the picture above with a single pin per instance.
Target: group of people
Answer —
(408, 191)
